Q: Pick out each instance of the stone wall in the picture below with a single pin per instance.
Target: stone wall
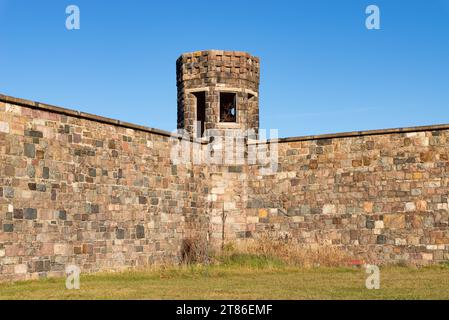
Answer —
(90, 191)
(383, 195)
(103, 194)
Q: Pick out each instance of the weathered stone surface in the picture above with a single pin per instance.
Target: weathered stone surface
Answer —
(329, 209)
(29, 150)
(75, 187)
(63, 249)
(20, 269)
(212, 72)
(4, 127)
(45, 173)
(8, 227)
(140, 232)
(120, 234)
(8, 192)
(62, 214)
(394, 221)
(18, 213)
(30, 214)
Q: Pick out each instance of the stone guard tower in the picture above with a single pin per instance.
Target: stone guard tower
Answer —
(218, 90)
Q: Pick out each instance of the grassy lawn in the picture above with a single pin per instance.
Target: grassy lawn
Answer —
(239, 280)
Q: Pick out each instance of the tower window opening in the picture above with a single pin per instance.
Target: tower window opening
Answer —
(228, 107)
(200, 111)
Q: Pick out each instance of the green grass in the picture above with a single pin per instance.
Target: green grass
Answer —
(242, 277)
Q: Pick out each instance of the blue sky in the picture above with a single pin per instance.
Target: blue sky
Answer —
(322, 70)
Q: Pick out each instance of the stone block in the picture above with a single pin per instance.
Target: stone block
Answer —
(47, 249)
(45, 173)
(421, 205)
(229, 206)
(427, 256)
(18, 214)
(329, 209)
(298, 219)
(140, 232)
(30, 214)
(8, 192)
(20, 269)
(252, 219)
(379, 224)
(62, 214)
(63, 249)
(142, 200)
(29, 150)
(381, 239)
(120, 234)
(410, 207)
(394, 221)
(263, 213)
(368, 207)
(370, 223)
(4, 127)
(42, 265)
(8, 227)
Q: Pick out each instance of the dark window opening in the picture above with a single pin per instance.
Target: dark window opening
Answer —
(200, 111)
(228, 107)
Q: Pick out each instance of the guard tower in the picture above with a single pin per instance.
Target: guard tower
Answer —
(218, 90)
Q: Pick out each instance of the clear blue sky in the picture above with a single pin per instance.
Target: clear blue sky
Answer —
(322, 70)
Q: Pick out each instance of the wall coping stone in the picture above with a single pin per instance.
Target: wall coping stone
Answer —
(82, 115)
(92, 117)
(351, 134)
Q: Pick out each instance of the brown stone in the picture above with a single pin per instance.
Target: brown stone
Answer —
(394, 221)
(368, 207)
(421, 205)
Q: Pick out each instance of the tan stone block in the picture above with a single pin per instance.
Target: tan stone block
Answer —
(426, 156)
(229, 205)
(47, 249)
(252, 219)
(379, 224)
(15, 250)
(421, 205)
(216, 220)
(11, 108)
(20, 269)
(417, 175)
(4, 127)
(413, 240)
(218, 190)
(410, 207)
(329, 209)
(357, 163)
(422, 141)
(63, 249)
(368, 207)
(427, 256)
(394, 221)
(263, 213)
(417, 221)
